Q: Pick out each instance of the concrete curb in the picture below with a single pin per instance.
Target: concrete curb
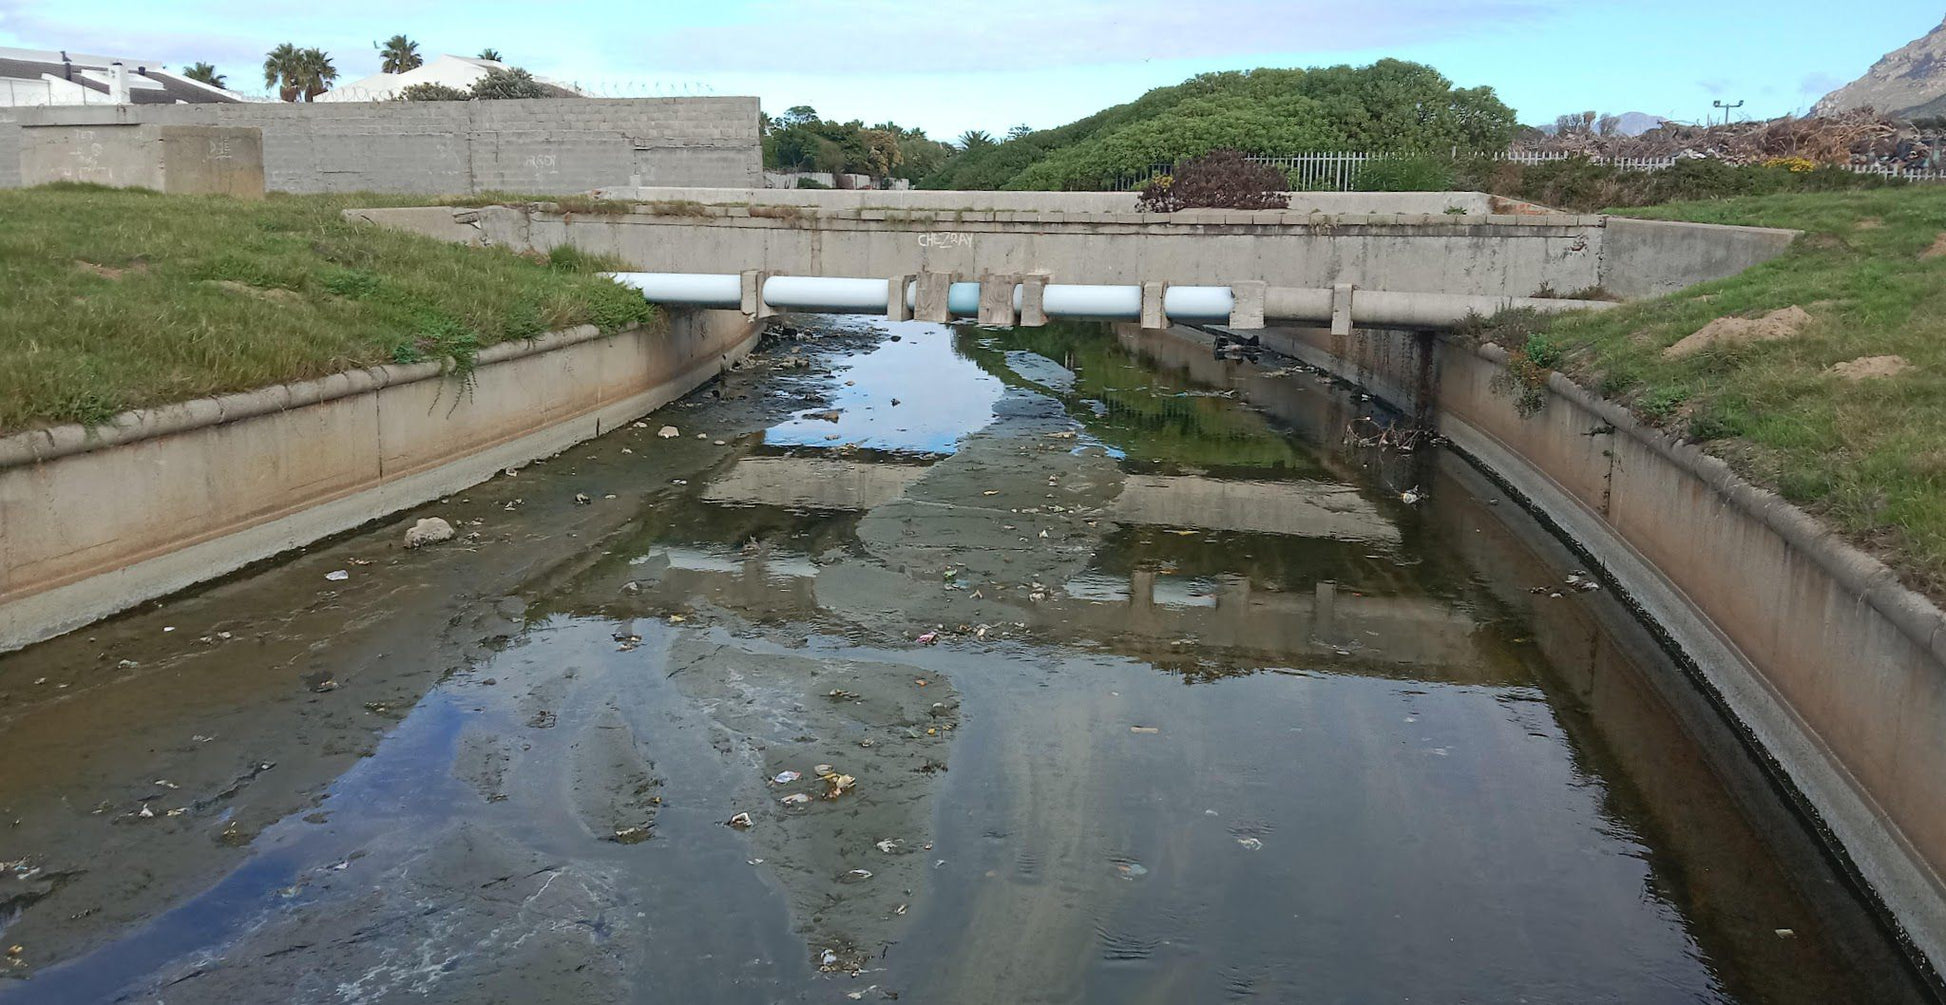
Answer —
(133, 426)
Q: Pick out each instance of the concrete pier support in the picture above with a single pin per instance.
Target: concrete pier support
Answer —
(1248, 311)
(997, 299)
(752, 299)
(1033, 293)
(896, 308)
(931, 301)
(1154, 318)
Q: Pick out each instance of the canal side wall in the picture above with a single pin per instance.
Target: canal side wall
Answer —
(1511, 254)
(1832, 666)
(96, 521)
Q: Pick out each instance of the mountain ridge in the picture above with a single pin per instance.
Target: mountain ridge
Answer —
(1909, 80)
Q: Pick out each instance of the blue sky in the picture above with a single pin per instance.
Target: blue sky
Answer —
(951, 65)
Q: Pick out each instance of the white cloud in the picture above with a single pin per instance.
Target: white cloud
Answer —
(857, 37)
(1817, 85)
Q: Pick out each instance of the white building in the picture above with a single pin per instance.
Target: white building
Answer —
(453, 71)
(51, 77)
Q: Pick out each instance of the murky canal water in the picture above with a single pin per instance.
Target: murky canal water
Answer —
(1047, 666)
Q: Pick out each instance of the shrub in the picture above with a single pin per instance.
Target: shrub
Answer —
(1409, 173)
(1220, 179)
(511, 83)
(805, 181)
(433, 92)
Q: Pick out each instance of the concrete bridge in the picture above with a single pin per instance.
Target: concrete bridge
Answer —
(1383, 260)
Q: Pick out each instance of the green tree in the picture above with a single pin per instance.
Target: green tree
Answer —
(205, 73)
(399, 54)
(975, 139)
(882, 153)
(283, 67)
(490, 54)
(315, 73)
(797, 140)
(1018, 131)
(510, 83)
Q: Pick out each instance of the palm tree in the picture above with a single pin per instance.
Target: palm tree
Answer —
(205, 73)
(283, 66)
(315, 73)
(491, 54)
(399, 54)
(975, 138)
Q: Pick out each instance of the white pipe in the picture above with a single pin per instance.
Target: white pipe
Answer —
(1109, 302)
(1198, 303)
(688, 289)
(813, 293)
(1115, 303)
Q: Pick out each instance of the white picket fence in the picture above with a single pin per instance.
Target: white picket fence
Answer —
(1338, 172)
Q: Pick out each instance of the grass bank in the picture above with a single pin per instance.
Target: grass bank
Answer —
(1867, 455)
(117, 299)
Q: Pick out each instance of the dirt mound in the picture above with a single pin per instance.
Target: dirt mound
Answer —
(109, 271)
(1938, 248)
(271, 293)
(1777, 324)
(1867, 367)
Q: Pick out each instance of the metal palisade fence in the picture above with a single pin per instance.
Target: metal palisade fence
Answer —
(1338, 172)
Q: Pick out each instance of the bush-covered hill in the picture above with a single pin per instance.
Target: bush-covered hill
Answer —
(1389, 105)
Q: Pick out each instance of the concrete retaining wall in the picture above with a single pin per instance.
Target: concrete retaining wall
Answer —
(96, 521)
(1647, 258)
(1513, 254)
(1334, 203)
(544, 145)
(1833, 667)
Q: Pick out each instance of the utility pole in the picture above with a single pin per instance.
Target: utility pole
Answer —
(1726, 106)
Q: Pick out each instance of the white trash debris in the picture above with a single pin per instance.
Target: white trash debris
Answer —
(430, 530)
(338, 576)
(786, 777)
(668, 432)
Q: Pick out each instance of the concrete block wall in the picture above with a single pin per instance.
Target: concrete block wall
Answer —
(546, 145)
(189, 160)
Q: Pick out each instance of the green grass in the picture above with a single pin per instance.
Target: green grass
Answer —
(117, 299)
(1869, 456)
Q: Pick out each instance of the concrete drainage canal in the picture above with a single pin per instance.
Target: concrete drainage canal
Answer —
(941, 664)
